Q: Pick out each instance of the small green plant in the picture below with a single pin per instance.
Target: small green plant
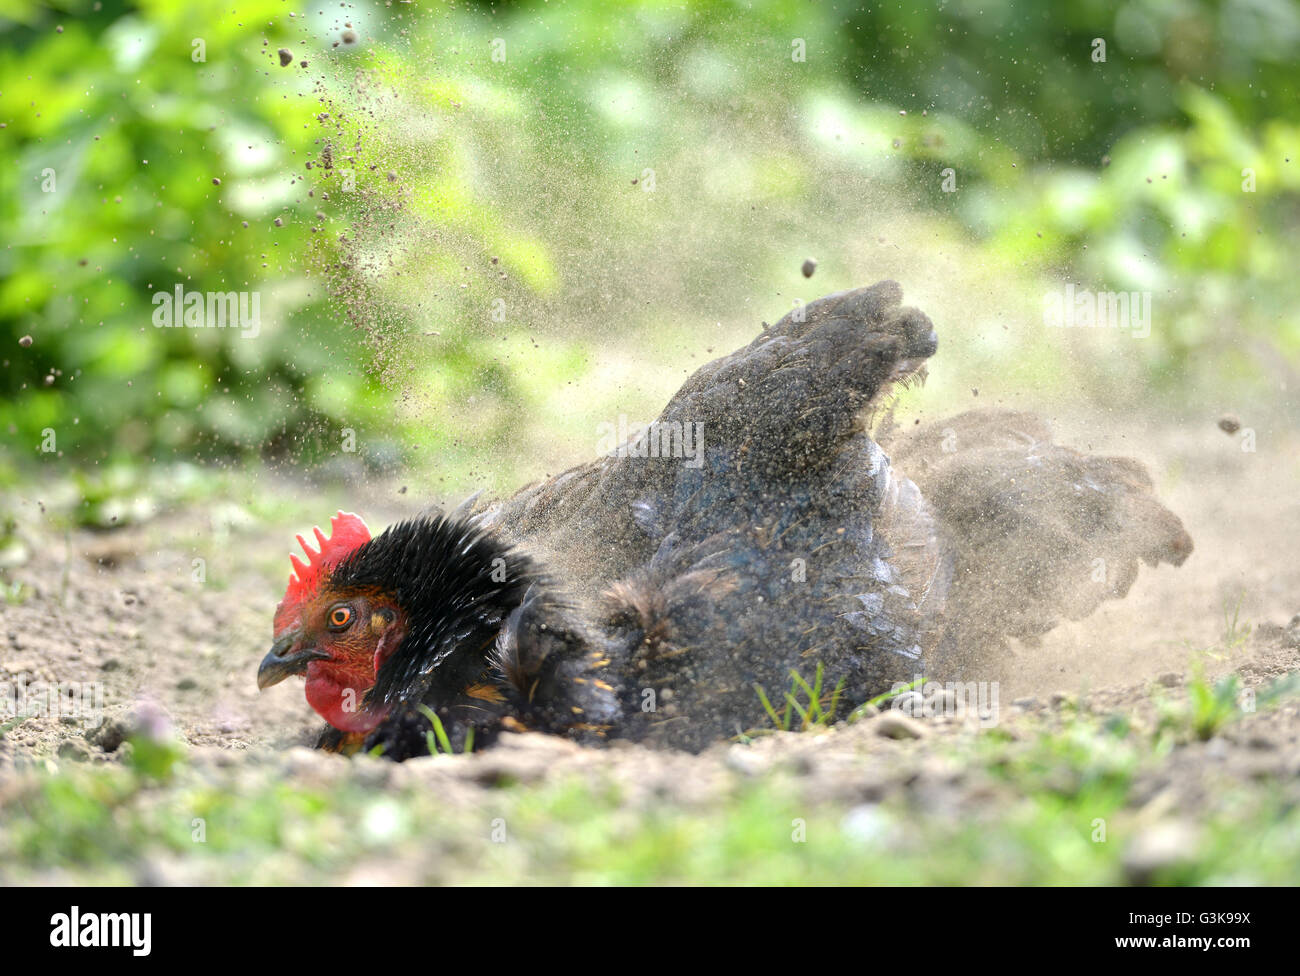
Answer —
(12, 724)
(1283, 687)
(437, 738)
(880, 699)
(1235, 632)
(155, 755)
(1212, 706)
(1208, 708)
(807, 701)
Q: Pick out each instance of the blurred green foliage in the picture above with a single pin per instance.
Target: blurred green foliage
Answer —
(1171, 167)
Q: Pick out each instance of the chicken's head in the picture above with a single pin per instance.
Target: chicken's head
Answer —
(337, 637)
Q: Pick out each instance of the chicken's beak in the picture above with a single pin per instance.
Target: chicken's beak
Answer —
(280, 663)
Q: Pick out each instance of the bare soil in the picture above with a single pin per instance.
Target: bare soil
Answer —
(124, 609)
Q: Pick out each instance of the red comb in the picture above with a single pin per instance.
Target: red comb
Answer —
(347, 533)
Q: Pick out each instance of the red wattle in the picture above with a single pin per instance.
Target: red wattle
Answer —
(326, 693)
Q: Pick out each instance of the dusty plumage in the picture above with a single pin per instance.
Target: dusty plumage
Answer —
(755, 529)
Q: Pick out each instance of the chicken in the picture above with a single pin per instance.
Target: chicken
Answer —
(754, 530)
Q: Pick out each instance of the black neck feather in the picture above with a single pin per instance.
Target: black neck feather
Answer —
(455, 584)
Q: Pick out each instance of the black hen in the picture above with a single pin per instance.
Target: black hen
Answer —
(754, 530)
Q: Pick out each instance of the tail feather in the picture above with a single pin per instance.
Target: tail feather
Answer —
(1035, 532)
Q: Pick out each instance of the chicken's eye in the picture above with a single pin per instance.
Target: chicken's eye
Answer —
(340, 616)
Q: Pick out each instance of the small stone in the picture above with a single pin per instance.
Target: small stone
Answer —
(109, 735)
(893, 725)
(71, 749)
(809, 266)
(286, 57)
(1229, 423)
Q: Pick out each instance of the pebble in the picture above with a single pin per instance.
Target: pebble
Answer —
(73, 750)
(893, 725)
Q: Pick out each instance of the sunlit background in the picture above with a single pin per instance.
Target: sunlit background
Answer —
(476, 231)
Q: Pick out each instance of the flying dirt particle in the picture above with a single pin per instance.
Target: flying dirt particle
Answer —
(25, 342)
(348, 37)
(402, 490)
(634, 182)
(279, 222)
(1229, 423)
(244, 222)
(59, 29)
(216, 181)
(286, 57)
(495, 259)
(974, 391)
(49, 380)
(303, 63)
(809, 266)
(392, 176)
(1105, 161)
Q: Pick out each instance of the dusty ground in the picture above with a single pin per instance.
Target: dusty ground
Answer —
(123, 609)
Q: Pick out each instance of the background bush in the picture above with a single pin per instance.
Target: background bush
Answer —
(1120, 175)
